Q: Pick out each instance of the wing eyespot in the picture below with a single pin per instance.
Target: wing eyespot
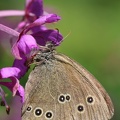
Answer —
(80, 108)
(38, 112)
(68, 97)
(90, 100)
(29, 109)
(49, 115)
(61, 98)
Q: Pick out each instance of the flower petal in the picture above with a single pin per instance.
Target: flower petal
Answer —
(15, 51)
(13, 73)
(35, 7)
(21, 93)
(15, 87)
(21, 26)
(48, 35)
(50, 18)
(26, 44)
(9, 72)
(21, 64)
(46, 19)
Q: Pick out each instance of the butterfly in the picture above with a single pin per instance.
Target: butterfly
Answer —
(58, 88)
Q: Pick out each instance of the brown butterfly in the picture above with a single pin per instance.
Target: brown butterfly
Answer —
(58, 88)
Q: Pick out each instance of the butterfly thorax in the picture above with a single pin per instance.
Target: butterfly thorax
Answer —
(45, 54)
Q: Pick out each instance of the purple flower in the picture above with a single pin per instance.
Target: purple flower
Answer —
(26, 43)
(33, 10)
(31, 33)
(34, 20)
(40, 35)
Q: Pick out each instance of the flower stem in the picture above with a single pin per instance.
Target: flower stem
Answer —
(6, 13)
(9, 30)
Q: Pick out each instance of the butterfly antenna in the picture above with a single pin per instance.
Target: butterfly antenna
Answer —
(67, 35)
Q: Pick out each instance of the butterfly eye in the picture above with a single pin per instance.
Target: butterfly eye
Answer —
(49, 115)
(90, 100)
(68, 97)
(38, 112)
(29, 109)
(80, 108)
(61, 99)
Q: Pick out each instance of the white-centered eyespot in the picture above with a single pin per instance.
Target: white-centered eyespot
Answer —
(61, 98)
(29, 109)
(80, 108)
(38, 112)
(68, 97)
(90, 100)
(49, 115)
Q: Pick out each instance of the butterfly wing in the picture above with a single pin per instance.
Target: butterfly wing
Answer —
(63, 90)
(101, 108)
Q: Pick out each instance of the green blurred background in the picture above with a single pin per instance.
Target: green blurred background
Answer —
(94, 39)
